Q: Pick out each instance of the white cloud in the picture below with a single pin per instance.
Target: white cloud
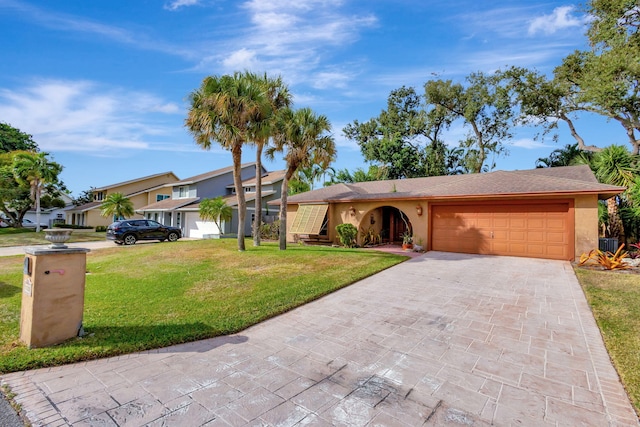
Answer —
(290, 37)
(331, 79)
(560, 19)
(526, 143)
(84, 116)
(76, 24)
(177, 4)
(240, 60)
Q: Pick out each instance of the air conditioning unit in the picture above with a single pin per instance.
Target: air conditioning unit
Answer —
(609, 244)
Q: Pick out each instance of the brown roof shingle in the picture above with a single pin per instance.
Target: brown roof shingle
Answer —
(543, 181)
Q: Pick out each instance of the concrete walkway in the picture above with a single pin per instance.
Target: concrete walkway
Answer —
(442, 339)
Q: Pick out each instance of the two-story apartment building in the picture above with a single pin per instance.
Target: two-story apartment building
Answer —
(141, 192)
(182, 209)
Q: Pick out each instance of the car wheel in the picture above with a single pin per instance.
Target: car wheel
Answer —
(173, 236)
(129, 239)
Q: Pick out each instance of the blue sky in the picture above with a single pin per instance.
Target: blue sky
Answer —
(103, 86)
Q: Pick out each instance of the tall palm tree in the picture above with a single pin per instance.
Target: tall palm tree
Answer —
(38, 171)
(303, 136)
(615, 165)
(278, 97)
(223, 110)
(215, 210)
(118, 206)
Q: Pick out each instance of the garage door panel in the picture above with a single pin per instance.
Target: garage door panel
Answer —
(535, 236)
(559, 238)
(515, 236)
(519, 229)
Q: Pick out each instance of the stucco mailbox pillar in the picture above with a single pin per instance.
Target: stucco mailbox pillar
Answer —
(52, 295)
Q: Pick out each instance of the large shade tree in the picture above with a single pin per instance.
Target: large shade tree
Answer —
(483, 105)
(223, 111)
(303, 136)
(38, 171)
(13, 139)
(405, 138)
(118, 206)
(262, 129)
(545, 103)
(15, 196)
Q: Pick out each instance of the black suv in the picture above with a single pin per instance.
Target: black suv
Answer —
(129, 231)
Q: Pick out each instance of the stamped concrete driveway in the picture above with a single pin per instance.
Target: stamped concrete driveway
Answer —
(442, 339)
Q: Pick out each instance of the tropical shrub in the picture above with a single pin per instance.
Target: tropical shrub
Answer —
(370, 237)
(347, 234)
(269, 231)
(607, 259)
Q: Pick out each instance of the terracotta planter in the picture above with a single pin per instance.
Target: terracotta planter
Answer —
(407, 246)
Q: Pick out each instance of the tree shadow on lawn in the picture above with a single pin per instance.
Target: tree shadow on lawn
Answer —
(167, 337)
(8, 290)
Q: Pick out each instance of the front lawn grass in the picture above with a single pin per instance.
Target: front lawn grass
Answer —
(150, 296)
(615, 301)
(10, 236)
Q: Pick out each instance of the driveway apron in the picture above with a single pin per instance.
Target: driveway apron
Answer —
(442, 339)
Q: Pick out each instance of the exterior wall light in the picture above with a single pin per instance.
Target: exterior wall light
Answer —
(419, 210)
(352, 211)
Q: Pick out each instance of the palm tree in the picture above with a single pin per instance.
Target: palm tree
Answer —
(36, 170)
(566, 156)
(224, 109)
(278, 97)
(615, 165)
(118, 206)
(303, 136)
(215, 210)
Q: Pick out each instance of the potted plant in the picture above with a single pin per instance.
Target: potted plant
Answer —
(407, 240)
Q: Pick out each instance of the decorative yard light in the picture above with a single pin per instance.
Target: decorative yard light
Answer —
(419, 210)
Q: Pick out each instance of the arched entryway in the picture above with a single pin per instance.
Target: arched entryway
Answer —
(385, 224)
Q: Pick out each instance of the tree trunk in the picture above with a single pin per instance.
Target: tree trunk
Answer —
(236, 153)
(482, 155)
(258, 201)
(616, 228)
(37, 194)
(282, 230)
(581, 145)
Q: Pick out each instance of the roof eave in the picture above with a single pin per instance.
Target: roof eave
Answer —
(601, 195)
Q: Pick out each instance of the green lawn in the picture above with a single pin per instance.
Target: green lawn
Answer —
(150, 296)
(26, 237)
(615, 302)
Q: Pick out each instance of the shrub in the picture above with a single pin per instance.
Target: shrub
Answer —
(75, 227)
(347, 234)
(101, 228)
(269, 231)
(607, 260)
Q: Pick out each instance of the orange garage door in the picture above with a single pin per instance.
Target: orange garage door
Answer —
(537, 230)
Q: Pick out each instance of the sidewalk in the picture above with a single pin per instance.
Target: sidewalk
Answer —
(19, 250)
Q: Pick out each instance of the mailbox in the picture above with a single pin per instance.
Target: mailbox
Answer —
(52, 295)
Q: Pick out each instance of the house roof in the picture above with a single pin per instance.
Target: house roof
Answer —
(106, 187)
(85, 207)
(193, 203)
(267, 178)
(168, 204)
(231, 200)
(207, 175)
(535, 182)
